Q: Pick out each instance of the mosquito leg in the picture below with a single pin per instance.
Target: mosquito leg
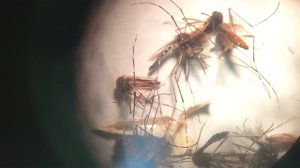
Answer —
(259, 75)
(222, 142)
(172, 17)
(184, 18)
(178, 87)
(181, 95)
(262, 79)
(253, 46)
(249, 24)
(200, 133)
(253, 25)
(187, 67)
(200, 60)
(173, 89)
(133, 65)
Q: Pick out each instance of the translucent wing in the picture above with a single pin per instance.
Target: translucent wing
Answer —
(139, 127)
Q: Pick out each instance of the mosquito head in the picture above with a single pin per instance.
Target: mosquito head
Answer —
(213, 22)
(216, 18)
(122, 83)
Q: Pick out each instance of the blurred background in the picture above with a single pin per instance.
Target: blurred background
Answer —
(39, 123)
(61, 60)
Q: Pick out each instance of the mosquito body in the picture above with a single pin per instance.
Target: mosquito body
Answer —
(265, 153)
(189, 45)
(142, 90)
(131, 84)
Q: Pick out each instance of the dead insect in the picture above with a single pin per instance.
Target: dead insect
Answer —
(136, 87)
(264, 150)
(151, 139)
(226, 39)
(202, 159)
(226, 36)
(141, 89)
(130, 84)
(186, 47)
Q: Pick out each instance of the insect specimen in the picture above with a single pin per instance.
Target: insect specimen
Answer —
(264, 150)
(141, 89)
(226, 32)
(150, 140)
(226, 39)
(202, 159)
(132, 83)
(186, 46)
(188, 43)
(136, 87)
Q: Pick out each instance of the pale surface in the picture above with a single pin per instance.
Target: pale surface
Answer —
(107, 54)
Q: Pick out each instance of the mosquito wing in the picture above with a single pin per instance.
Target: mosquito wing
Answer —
(139, 127)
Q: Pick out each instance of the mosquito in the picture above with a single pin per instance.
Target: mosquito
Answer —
(152, 139)
(134, 85)
(191, 44)
(188, 45)
(143, 90)
(264, 148)
(185, 47)
(264, 154)
(227, 39)
(202, 159)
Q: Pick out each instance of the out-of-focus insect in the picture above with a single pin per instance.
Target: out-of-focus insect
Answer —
(264, 150)
(151, 139)
(259, 151)
(202, 159)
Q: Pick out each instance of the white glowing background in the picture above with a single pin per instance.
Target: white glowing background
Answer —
(107, 52)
